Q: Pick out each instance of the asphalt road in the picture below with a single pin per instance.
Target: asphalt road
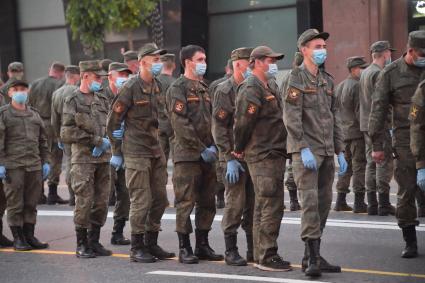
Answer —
(368, 248)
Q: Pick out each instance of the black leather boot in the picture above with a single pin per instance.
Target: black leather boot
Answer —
(202, 249)
(31, 240)
(117, 233)
(19, 242)
(313, 268)
(232, 256)
(372, 203)
(385, 208)
(341, 203)
(304, 261)
(53, 197)
(139, 252)
(359, 205)
(4, 242)
(325, 266)
(83, 249)
(409, 236)
(249, 248)
(151, 241)
(94, 236)
(185, 250)
(294, 205)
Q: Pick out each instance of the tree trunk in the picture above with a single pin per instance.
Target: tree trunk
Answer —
(130, 40)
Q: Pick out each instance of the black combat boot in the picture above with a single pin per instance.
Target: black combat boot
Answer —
(139, 252)
(31, 240)
(232, 256)
(325, 266)
(359, 205)
(385, 208)
(4, 242)
(249, 248)
(274, 263)
(19, 242)
(117, 233)
(94, 236)
(202, 249)
(53, 197)
(313, 268)
(151, 241)
(341, 203)
(83, 249)
(185, 250)
(409, 236)
(372, 203)
(294, 205)
(420, 200)
(304, 261)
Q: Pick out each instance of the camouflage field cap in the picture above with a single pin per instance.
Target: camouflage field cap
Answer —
(309, 35)
(356, 61)
(381, 46)
(417, 40)
(92, 66)
(241, 53)
(105, 64)
(150, 49)
(72, 69)
(264, 51)
(17, 83)
(15, 67)
(119, 67)
(168, 57)
(130, 55)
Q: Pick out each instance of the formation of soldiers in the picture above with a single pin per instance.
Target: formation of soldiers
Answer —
(117, 124)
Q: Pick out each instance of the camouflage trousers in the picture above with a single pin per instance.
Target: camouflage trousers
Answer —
(315, 191)
(378, 176)
(90, 182)
(219, 186)
(405, 175)
(67, 155)
(122, 203)
(240, 198)
(146, 180)
(55, 161)
(22, 190)
(267, 177)
(194, 187)
(164, 135)
(355, 155)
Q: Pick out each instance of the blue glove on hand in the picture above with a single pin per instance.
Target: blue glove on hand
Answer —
(232, 173)
(46, 170)
(119, 134)
(209, 155)
(116, 162)
(98, 150)
(60, 145)
(308, 159)
(343, 166)
(420, 179)
(2, 172)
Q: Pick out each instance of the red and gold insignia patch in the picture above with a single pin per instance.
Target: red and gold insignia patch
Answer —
(252, 109)
(119, 107)
(293, 95)
(221, 114)
(414, 112)
(179, 106)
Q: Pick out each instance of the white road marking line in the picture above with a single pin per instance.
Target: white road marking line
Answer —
(380, 225)
(230, 277)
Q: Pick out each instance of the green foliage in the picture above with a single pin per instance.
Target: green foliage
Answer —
(132, 13)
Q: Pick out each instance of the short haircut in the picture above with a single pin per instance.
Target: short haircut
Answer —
(376, 55)
(58, 67)
(188, 51)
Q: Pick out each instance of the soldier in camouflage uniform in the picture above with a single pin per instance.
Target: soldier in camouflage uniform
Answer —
(194, 155)
(23, 164)
(259, 109)
(395, 88)
(145, 165)
(239, 190)
(130, 58)
(15, 71)
(84, 128)
(40, 97)
(314, 137)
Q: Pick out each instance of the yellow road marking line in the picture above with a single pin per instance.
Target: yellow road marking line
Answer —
(353, 270)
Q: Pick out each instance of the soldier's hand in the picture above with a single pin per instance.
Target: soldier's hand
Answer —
(378, 156)
(343, 166)
(420, 179)
(119, 134)
(209, 155)
(2, 172)
(232, 172)
(60, 145)
(116, 162)
(308, 159)
(237, 155)
(46, 170)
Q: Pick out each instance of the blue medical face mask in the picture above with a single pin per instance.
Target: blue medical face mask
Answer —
(272, 71)
(247, 73)
(200, 69)
(119, 82)
(156, 68)
(319, 56)
(20, 97)
(420, 62)
(95, 86)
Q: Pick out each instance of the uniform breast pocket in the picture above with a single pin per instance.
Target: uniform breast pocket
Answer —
(142, 108)
(310, 100)
(33, 129)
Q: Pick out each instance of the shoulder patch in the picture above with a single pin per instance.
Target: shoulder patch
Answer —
(178, 106)
(414, 111)
(251, 109)
(221, 114)
(292, 95)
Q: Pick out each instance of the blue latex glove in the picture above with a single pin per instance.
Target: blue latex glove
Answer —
(98, 150)
(420, 180)
(343, 166)
(391, 132)
(232, 173)
(116, 161)
(209, 154)
(2, 172)
(308, 159)
(119, 134)
(46, 170)
(60, 145)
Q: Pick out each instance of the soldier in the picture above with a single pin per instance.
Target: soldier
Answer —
(145, 165)
(166, 79)
(15, 71)
(348, 105)
(194, 154)
(105, 66)
(259, 109)
(84, 128)
(395, 87)
(239, 188)
(118, 74)
(130, 58)
(40, 97)
(314, 136)
(24, 165)
(72, 77)
(378, 176)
